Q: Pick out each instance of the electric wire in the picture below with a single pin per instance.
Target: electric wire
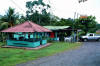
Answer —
(17, 5)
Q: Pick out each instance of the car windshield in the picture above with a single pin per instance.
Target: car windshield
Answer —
(91, 35)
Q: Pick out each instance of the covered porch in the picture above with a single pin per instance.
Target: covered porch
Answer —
(62, 32)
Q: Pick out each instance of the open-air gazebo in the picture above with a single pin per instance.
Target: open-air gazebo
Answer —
(27, 34)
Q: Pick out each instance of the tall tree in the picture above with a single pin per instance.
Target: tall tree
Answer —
(21, 19)
(65, 22)
(98, 26)
(86, 24)
(38, 12)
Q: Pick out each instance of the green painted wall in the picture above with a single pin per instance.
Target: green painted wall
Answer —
(23, 43)
(44, 42)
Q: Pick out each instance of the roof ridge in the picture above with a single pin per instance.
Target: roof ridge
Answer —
(30, 23)
(40, 26)
(37, 27)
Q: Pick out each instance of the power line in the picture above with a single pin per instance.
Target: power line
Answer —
(17, 5)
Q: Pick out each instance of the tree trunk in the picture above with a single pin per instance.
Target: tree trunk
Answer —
(11, 24)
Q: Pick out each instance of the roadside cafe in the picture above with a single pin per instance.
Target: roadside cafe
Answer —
(27, 34)
(60, 33)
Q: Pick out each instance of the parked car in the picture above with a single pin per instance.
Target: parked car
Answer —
(90, 36)
(68, 39)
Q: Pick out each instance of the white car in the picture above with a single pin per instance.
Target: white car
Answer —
(68, 39)
(90, 36)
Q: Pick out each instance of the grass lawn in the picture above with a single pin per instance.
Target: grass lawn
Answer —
(11, 57)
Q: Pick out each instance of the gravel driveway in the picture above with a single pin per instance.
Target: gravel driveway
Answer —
(87, 55)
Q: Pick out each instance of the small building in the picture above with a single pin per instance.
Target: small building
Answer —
(59, 32)
(27, 34)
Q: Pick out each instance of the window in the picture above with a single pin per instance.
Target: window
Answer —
(91, 34)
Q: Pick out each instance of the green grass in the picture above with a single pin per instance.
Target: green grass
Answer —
(11, 57)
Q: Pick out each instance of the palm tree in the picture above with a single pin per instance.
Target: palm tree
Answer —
(10, 17)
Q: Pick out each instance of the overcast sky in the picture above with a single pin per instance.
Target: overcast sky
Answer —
(60, 8)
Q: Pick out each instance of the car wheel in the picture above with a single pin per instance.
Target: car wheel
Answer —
(85, 40)
(99, 39)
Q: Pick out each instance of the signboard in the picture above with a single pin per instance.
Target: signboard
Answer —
(83, 16)
(81, 1)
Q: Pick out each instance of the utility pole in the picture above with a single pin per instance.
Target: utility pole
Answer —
(80, 1)
(76, 14)
(73, 29)
(50, 11)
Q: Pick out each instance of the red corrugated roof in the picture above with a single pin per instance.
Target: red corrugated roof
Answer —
(27, 27)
